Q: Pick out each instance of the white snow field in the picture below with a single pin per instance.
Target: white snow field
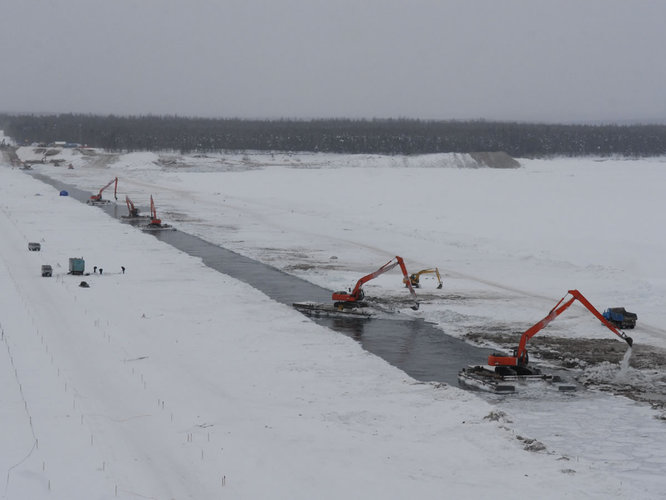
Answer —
(173, 381)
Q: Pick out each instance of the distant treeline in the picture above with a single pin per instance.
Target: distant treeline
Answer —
(381, 136)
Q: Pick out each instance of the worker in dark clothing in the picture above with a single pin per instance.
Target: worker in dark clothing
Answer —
(123, 268)
(100, 270)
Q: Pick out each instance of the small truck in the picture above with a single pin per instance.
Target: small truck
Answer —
(620, 317)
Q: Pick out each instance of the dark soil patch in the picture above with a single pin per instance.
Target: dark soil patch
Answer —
(587, 358)
(572, 353)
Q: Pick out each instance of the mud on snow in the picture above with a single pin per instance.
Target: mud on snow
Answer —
(638, 372)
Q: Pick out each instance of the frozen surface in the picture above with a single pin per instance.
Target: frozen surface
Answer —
(171, 381)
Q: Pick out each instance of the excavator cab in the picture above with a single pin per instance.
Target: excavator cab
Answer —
(522, 359)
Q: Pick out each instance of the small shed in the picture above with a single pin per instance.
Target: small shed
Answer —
(76, 265)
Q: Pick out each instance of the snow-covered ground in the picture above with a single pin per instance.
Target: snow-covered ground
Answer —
(171, 381)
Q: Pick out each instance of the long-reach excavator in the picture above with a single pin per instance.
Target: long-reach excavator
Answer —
(351, 303)
(354, 298)
(415, 279)
(97, 199)
(133, 211)
(502, 368)
(133, 214)
(155, 222)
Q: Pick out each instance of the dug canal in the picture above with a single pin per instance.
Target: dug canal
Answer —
(418, 348)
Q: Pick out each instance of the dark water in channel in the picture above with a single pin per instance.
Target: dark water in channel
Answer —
(418, 348)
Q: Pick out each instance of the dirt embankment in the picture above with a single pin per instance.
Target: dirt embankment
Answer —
(495, 159)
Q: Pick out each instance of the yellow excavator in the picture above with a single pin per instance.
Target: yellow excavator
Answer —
(415, 279)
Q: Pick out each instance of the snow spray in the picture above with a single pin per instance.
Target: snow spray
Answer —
(624, 365)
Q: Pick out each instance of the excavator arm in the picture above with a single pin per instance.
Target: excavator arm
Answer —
(415, 279)
(520, 357)
(439, 278)
(403, 268)
(357, 295)
(601, 318)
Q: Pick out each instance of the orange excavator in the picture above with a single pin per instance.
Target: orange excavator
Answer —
(154, 221)
(97, 199)
(502, 368)
(133, 211)
(354, 298)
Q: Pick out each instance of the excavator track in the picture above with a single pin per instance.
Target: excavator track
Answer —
(488, 378)
(317, 309)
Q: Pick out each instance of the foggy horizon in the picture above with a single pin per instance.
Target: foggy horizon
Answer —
(526, 61)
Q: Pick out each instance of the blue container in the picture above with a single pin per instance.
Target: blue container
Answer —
(76, 266)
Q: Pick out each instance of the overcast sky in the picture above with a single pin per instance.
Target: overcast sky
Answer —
(525, 60)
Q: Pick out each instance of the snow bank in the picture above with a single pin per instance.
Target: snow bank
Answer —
(172, 381)
(137, 161)
(294, 410)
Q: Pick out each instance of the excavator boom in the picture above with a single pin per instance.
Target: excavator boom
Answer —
(520, 357)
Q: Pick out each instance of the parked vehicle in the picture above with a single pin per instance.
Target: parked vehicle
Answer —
(76, 265)
(47, 271)
(34, 247)
(620, 317)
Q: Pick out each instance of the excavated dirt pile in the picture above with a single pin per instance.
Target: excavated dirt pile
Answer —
(495, 159)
